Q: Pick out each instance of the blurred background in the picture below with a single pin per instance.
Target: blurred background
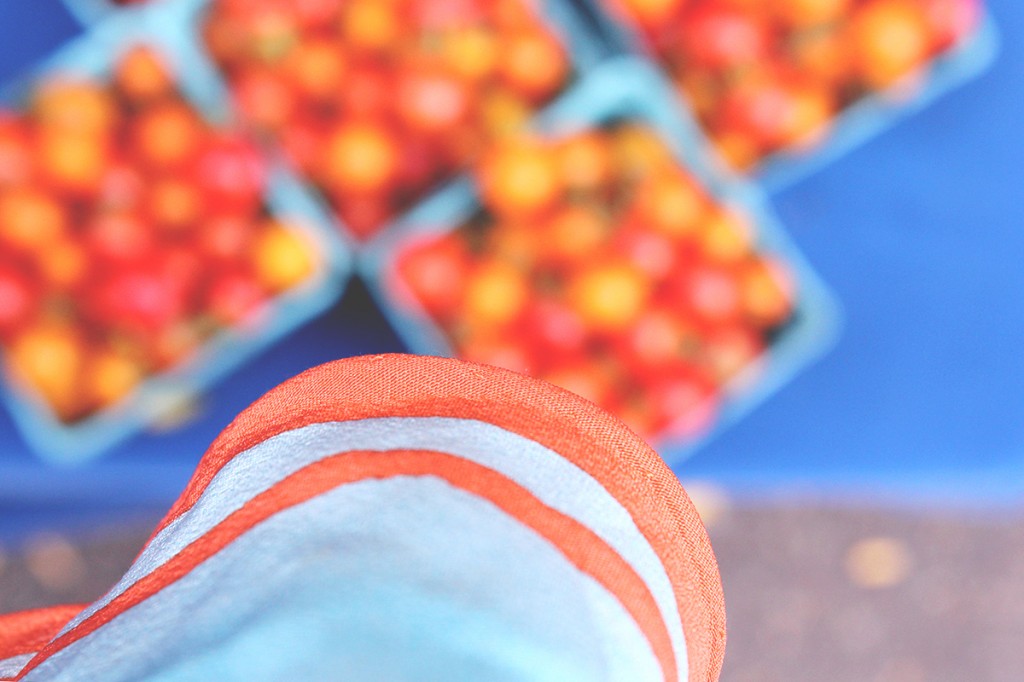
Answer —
(781, 239)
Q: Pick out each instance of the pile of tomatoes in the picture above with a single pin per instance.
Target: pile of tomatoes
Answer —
(378, 101)
(130, 231)
(600, 265)
(766, 75)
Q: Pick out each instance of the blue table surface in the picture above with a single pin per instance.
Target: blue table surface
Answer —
(921, 234)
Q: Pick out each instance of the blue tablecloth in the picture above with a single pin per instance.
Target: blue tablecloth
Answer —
(920, 232)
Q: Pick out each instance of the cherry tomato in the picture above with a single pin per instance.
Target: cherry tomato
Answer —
(233, 296)
(140, 300)
(30, 219)
(359, 157)
(49, 358)
(519, 177)
(496, 294)
(232, 174)
(19, 299)
(432, 101)
(166, 136)
(281, 258)
(608, 294)
(718, 36)
(435, 272)
(141, 75)
(890, 39)
(533, 63)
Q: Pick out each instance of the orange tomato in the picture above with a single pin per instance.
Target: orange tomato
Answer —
(281, 258)
(141, 75)
(167, 135)
(371, 25)
(890, 38)
(317, 67)
(608, 294)
(766, 291)
(585, 162)
(109, 377)
(726, 236)
(174, 204)
(638, 151)
(76, 105)
(496, 294)
(670, 203)
(806, 13)
(653, 13)
(572, 233)
(519, 177)
(359, 157)
(49, 358)
(63, 264)
(471, 53)
(72, 161)
(30, 219)
(533, 63)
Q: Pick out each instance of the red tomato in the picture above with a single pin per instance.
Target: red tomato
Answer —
(233, 296)
(432, 101)
(119, 238)
(122, 186)
(952, 20)
(232, 173)
(717, 36)
(142, 300)
(683, 400)
(652, 252)
(585, 380)
(708, 292)
(224, 238)
(368, 92)
(555, 329)
(363, 215)
(18, 299)
(729, 349)
(16, 154)
(264, 98)
(498, 352)
(658, 338)
(435, 272)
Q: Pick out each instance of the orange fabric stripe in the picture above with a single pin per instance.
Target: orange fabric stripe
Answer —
(578, 543)
(29, 631)
(417, 386)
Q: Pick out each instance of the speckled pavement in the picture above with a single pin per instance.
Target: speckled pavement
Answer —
(817, 594)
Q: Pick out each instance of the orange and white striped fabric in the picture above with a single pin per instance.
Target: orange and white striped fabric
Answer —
(406, 518)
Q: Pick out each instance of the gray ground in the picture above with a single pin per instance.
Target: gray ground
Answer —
(813, 593)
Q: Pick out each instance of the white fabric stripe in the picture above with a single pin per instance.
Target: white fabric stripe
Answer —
(550, 477)
(10, 667)
(439, 556)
